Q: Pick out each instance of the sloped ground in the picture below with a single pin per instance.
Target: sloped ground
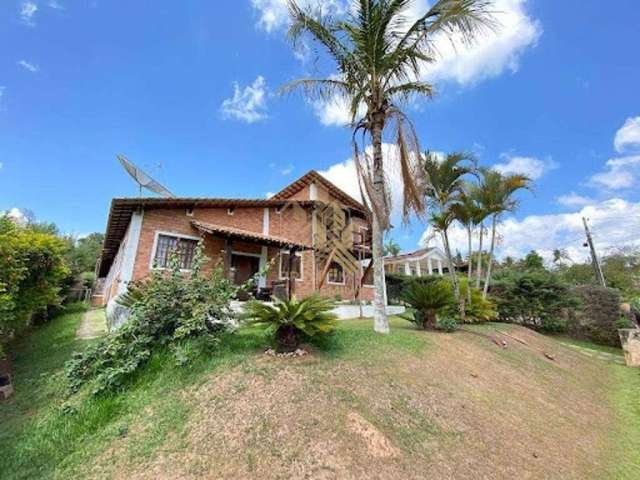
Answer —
(92, 325)
(412, 405)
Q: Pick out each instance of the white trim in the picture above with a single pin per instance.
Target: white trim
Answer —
(298, 254)
(130, 251)
(245, 254)
(262, 279)
(157, 234)
(265, 221)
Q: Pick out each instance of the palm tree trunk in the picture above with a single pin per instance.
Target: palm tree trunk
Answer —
(380, 321)
(479, 267)
(469, 263)
(452, 273)
(493, 242)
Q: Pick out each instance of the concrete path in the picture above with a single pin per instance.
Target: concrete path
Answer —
(600, 355)
(92, 325)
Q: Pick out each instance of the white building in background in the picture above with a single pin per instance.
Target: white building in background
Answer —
(426, 261)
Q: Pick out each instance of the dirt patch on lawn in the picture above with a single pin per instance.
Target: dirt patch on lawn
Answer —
(463, 408)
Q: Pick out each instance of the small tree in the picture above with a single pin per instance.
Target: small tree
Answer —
(428, 300)
(290, 320)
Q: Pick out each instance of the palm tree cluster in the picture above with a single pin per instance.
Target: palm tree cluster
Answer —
(459, 191)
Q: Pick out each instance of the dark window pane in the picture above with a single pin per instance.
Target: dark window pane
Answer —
(336, 273)
(167, 245)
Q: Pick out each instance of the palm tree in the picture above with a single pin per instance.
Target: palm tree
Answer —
(391, 248)
(379, 55)
(496, 196)
(468, 213)
(444, 190)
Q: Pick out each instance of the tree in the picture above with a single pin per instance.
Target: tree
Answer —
(391, 248)
(379, 56)
(444, 190)
(532, 261)
(495, 194)
(469, 214)
(32, 270)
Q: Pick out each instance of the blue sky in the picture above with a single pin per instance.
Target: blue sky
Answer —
(193, 86)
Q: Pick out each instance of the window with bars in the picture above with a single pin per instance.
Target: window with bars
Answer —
(167, 245)
(336, 273)
(296, 266)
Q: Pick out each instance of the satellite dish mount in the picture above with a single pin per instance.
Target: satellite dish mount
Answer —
(143, 179)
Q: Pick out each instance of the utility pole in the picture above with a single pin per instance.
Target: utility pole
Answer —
(594, 257)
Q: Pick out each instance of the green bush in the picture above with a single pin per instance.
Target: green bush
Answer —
(32, 270)
(597, 318)
(290, 320)
(397, 283)
(167, 310)
(427, 300)
(535, 298)
(447, 324)
(480, 309)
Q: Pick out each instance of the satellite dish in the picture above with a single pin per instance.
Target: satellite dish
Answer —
(142, 179)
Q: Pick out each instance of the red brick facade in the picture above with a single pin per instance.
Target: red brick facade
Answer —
(292, 222)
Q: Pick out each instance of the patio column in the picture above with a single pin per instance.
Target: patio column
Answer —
(407, 268)
(418, 271)
(429, 266)
(262, 280)
(440, 267)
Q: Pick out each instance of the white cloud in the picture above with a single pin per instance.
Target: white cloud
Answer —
(345, 176)
(1, 165)
(615, 223)
(574, 200)
(619, 173)
(333, 112)
(17, 215)
(247, 104)
(286, 170)
(2, 89)
(274, 14)
(628, 135)
(494, 53)
(28, 66)
(27, 12)
(534, 168)
(55, 5)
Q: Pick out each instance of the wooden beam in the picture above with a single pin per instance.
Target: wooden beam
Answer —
(325, 270)
(359, 288)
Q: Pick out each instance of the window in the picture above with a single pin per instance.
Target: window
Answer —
(166, 245)
(296, 265)
(336, 273)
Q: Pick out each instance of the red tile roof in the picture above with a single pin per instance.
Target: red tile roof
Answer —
(247, 235)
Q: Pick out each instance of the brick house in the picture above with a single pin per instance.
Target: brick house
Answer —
(312, 236)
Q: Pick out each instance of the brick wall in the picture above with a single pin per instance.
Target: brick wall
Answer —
(292, 222)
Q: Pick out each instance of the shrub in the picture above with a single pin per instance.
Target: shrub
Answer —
(480, 309)
(167, 310)
(32, 270)
(427, 300)
(397, 283)
(537, 299)
(447, 324)
(598, 317)
(290, 320)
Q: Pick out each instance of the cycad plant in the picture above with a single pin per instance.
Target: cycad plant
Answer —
(380, 55)
(289, 320)
(428, 300)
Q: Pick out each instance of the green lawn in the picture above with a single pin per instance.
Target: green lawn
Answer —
(48, 435)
